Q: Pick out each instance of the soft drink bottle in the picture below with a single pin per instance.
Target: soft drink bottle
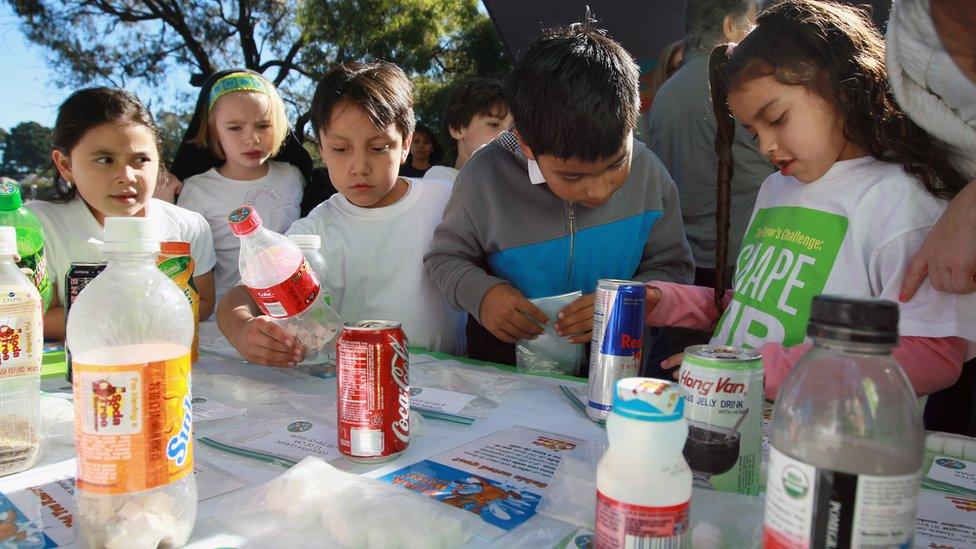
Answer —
(30, 238)
(847, 440)
(130, 332)
(21, 348)
(284, 286)
(311, 246)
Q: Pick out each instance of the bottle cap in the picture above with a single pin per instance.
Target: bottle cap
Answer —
(648, 399)
(10, 196)
(244, 221)
(130, 235)
(174, 248)
(8, 240)
(860, 320)
(311, 241)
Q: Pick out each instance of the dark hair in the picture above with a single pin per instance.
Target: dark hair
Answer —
(474, 97)
(86, 109)
(574, 93)
(704, 20)
(380, 89)
(836, 52)
(436, 150)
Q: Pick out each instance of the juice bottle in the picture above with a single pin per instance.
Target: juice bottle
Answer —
(30, 238)
(130, 332)
(847, 441)
(21, 348)
(176, 262)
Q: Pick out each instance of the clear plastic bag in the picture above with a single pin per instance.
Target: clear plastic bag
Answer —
(550, 353)
(315, 504)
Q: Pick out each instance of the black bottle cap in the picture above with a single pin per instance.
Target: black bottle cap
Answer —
(862, 320)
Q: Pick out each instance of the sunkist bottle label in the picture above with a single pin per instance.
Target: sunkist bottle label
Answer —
(811, 507)
(20, 322)
(134, 430)
(620, 524)
(290, 297)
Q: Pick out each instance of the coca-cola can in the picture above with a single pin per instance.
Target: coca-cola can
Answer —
(373, 390)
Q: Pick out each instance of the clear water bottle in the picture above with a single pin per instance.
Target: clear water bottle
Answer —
(643, 483)
(21, 348)
(30, 238)
(283, 285)
(130, 333)
(311, 246)
(847, 438)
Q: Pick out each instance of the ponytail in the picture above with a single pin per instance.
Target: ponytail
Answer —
(724, 136)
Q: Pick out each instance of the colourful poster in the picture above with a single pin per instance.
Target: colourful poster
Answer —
(786, 257)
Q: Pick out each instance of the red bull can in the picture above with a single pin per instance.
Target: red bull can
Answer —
(618, 336)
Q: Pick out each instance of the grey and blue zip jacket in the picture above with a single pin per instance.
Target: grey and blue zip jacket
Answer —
(499, 227)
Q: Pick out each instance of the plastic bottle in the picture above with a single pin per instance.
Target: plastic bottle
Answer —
(311, 246)
(847, 438)
(30, 238)
(643, 482)
(21, 353)
(130, 332)
(284, 286)
(176, 262)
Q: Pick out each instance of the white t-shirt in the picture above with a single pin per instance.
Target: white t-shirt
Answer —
(375, 263)
(852, 232)
(72, 235)
(276, 197)
(444, 173)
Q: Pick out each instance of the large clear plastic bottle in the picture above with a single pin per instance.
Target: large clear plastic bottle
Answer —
(284, 286)
(847, 438)
(643, 482)
(30, 238)
(130, 333)
(21, 348)
(311, 246)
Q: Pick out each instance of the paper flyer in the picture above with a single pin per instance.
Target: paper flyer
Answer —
(955, 471)
(501, 477)
(946, 521)
(285, 445)
(208, 409)
(441, 404)
(36, 507)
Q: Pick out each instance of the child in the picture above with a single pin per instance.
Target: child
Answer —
(476, 114)
(106, 150)
(566, 198)
(425, 151)
(854, 198)
(241, 126)
(374, 232)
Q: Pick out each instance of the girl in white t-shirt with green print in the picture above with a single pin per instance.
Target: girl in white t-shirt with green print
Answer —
(858, 188)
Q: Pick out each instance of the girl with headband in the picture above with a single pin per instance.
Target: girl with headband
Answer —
(239, 150)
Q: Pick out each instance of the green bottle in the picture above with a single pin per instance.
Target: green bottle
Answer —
(30, 238)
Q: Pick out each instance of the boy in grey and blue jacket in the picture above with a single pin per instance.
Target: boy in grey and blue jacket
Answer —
(566, 198)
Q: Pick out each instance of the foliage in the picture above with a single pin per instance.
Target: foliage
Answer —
(26, 149)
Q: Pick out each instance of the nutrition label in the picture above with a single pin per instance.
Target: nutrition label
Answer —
(133, 427)
(621, 524)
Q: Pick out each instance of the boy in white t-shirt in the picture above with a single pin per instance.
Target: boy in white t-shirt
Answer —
(106, 150)
(475, 115)
(374, 233)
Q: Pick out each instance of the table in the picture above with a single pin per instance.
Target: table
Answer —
(267, 394)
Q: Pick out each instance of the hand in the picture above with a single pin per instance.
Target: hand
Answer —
(948, 255)
(673, 361)
(264, 342)
(509, 316)
(168, 187)
(576, 320)
(653, 297)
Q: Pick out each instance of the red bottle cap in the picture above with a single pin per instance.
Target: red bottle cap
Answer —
(244, 221)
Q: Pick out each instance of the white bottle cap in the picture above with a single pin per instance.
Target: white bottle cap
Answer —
(8, 240)
(312, 241)
(130, 235)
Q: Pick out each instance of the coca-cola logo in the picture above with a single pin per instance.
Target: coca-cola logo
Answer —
(398, 368)
(722, 385)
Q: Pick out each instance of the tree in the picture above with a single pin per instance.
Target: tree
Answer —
(26, 150)
(171, 126)
(290, 42)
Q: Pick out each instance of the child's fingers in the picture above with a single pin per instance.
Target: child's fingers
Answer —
(673, 361)
(275, 337)
(522, 328)
(577, 322)
(581, 304)
(584, 337)
(917, 272)
(530, 310)
(271, 357)
(503, 335)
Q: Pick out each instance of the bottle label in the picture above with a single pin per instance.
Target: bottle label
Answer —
(37, 266)
(811, 507)
(180, 270)
(620, 524)
(20, 332)
(290, 297)
(133, 425)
